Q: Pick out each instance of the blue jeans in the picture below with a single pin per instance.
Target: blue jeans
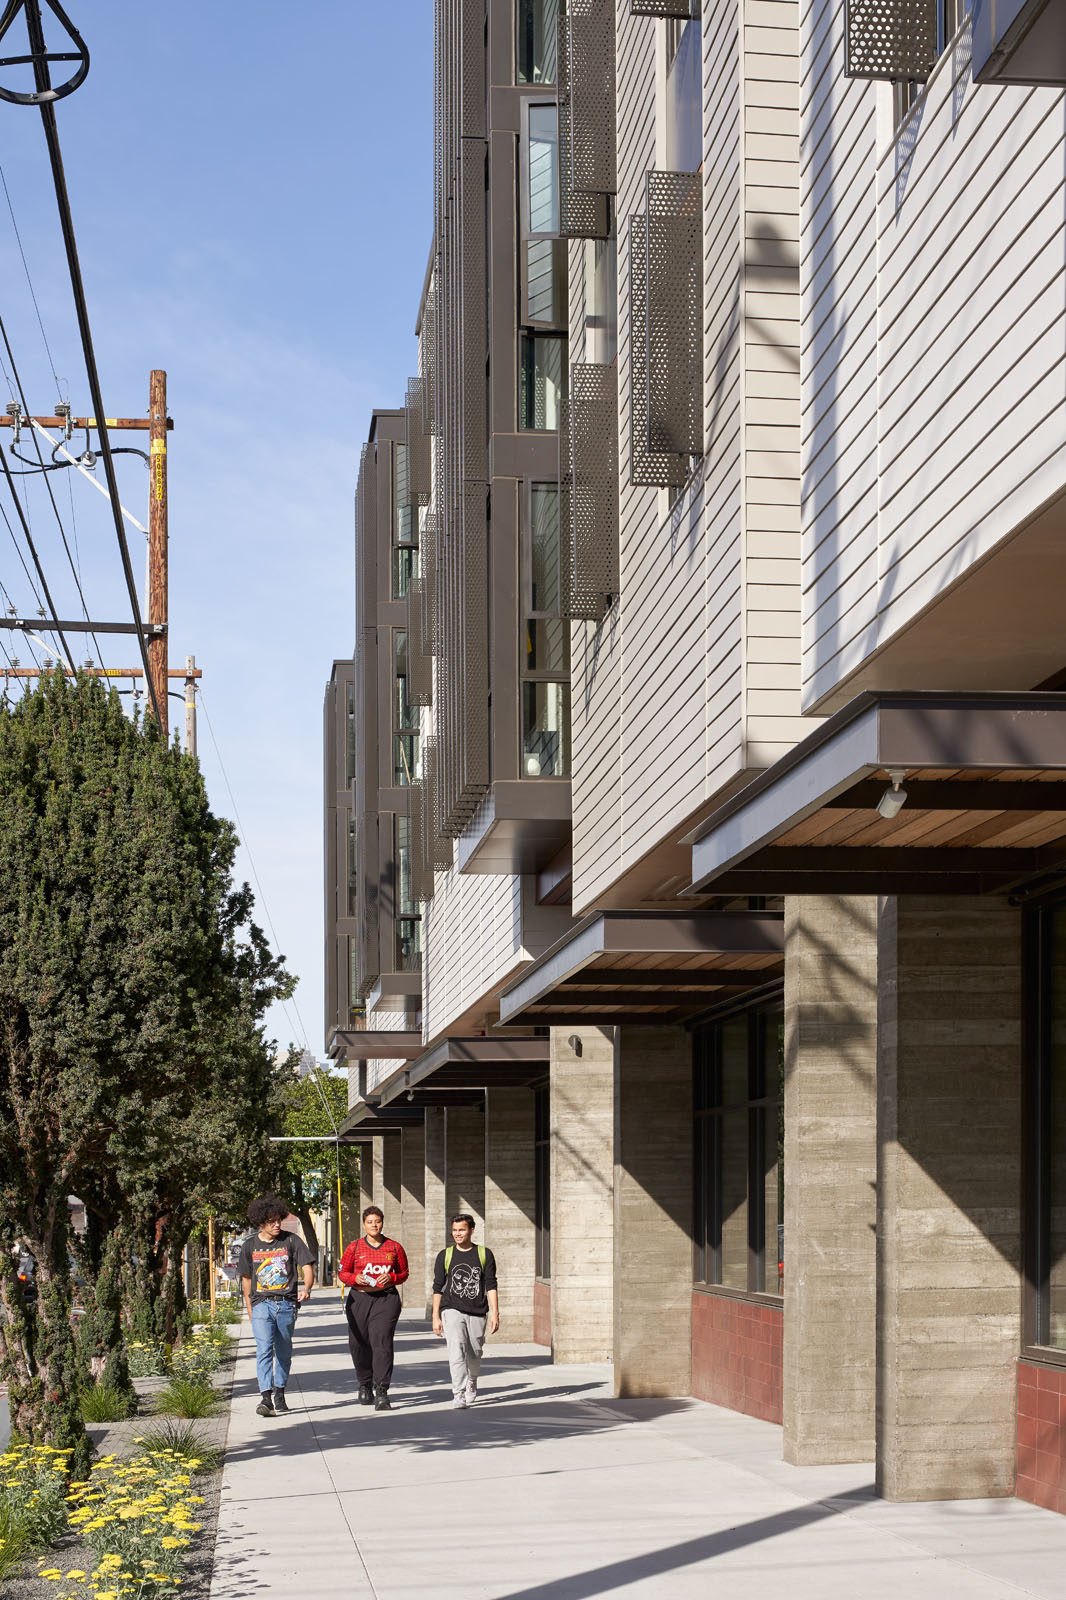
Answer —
(272, 1325)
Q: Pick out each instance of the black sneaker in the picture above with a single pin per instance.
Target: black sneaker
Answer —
(265, 1408)
(381, 1401)
(280, 1403)
(366, 1395)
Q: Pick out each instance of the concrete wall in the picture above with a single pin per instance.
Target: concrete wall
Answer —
(464, 1173)
(510, 1231)
(413, 1218)
(582, 1193)
(652, 1211)
(436, 1209)
(949, 1225)
(830, 1174)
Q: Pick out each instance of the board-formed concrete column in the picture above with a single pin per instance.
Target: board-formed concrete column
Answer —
(582, 1193)
(653, 1211)
(391, 1197)
(435, 1209)
(413, 1217)
(510, 1200)
(830, 1291)
(949, 1224)
(464, 1178)
(366, 1181)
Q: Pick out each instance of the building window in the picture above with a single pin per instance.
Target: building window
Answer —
(542, 365)
(684, 96)
(408, 916)
(542, 1182)
(739, 1152)
(404, 528)
(1045, 967)
(537, 51)
(950, 15)
(540, 170)
(405, 752)
(601, 301)
(349, 730)
(545, 294)
(545, 660)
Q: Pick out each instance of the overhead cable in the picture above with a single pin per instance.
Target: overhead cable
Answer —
(46, 106)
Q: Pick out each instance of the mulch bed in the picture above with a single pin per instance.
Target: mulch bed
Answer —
(117, 1438)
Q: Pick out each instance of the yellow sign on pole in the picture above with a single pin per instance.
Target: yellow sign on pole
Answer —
(211, 1262)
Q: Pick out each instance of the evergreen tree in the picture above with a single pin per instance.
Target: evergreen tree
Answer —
(130, 987)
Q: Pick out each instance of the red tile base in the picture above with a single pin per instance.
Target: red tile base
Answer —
(542, 1313)
(1041, 1475)
(737, 1355)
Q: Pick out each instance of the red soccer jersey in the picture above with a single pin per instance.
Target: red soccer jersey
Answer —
(387, 1264)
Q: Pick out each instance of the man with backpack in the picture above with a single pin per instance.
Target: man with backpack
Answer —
(464, 1300)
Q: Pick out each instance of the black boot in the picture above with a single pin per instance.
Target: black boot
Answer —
(381, 1402)
(366, 1395)
(280, 1403)
(265, 1408)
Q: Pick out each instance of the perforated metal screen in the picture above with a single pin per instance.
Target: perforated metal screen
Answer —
(591, 73)
(583, 211)
(661, 8)
(646, 468)
(674, 312)
(419, 455)
(593, 489)
(895, 39)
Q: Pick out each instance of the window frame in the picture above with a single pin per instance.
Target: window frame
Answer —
(528, 613)
(1037, 1130)
(709, 1110)
(527, 231)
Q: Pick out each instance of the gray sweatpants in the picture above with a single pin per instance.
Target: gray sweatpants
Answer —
(465, 1337)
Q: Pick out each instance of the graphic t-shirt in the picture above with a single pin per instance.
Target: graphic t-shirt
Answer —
(464, 1286)
(384, 1264)
(273, 1265)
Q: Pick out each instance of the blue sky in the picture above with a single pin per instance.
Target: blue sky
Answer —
(252, 195)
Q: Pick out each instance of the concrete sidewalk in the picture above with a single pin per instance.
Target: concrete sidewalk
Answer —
(548, 1489)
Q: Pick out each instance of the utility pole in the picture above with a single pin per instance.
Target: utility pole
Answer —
(158, 571)
(191, 676)
(157, 424)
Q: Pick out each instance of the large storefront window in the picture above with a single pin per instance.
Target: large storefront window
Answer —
(739, 1152)
(1046, 1209)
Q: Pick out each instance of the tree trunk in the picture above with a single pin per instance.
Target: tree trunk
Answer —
(310, 1236)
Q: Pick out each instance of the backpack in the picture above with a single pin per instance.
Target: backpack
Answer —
(449, 1251)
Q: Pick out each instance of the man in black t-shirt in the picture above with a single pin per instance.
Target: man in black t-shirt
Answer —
(464, 1299)
(269, 1263)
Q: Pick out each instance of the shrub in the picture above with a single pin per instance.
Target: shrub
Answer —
(33, 1486)
(137, 1517)
(104, 1403)
(146, 1359)
(187, 1397)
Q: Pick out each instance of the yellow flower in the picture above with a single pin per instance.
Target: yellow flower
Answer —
(106, 1594)
(170, 1543)
(75, 1572)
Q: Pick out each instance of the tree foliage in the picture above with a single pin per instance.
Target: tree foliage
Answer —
(132, 984)
(307, 1173)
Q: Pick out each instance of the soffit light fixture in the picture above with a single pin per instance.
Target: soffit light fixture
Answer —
(894, 798)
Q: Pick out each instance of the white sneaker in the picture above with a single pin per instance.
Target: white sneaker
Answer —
(459, 1403)
(471, 1393)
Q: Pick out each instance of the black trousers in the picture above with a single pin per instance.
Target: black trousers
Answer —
(372, 1320)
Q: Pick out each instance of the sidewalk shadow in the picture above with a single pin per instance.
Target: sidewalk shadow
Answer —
(441, 1395)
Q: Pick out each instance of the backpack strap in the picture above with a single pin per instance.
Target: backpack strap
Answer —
(481, 1255)
(448, 1250)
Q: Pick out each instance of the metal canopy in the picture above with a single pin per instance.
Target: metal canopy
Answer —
(366, 1121)
(375, 1044)
(456, 1070)
(647, 966)
(985, 809)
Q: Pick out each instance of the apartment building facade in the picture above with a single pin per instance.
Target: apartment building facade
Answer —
(730, 681)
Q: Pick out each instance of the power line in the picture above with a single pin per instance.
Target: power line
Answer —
(36, 559)
(47, 482)
(42, 78)
(29, 281)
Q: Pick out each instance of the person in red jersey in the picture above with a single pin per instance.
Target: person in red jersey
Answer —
(372, 1267)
